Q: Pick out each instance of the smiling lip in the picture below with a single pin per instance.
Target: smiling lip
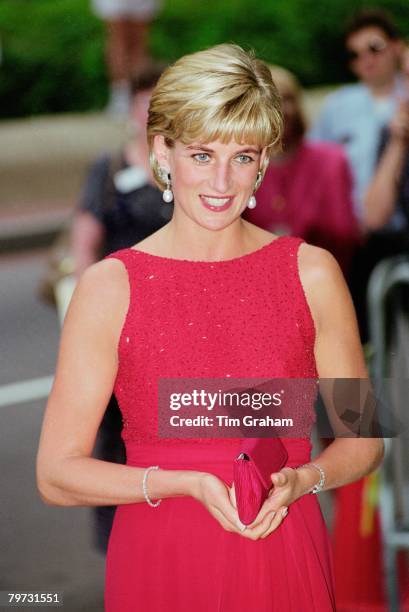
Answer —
(216, 204)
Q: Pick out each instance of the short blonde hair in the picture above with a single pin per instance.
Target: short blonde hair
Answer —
(223, 93)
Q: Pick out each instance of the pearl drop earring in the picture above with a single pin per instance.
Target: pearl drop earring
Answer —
(167, 195)
(252, 203)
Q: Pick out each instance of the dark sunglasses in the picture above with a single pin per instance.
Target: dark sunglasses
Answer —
(374, 48)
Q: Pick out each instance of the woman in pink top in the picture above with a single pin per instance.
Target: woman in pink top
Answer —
(306, 190)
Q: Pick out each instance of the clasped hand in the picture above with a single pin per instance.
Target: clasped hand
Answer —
(220, 501)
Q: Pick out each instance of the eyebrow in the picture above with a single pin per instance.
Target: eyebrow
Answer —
(370, 41)
(204, 148)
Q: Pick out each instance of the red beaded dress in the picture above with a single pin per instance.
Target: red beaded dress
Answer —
(243, 317)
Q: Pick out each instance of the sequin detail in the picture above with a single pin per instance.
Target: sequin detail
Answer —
(243, 317)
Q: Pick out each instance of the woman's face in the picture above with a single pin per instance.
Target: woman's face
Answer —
(211, 182)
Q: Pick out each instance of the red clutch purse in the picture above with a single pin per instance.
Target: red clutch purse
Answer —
(258, 459)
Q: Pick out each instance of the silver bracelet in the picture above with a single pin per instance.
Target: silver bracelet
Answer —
(145, 489)
(320, 485)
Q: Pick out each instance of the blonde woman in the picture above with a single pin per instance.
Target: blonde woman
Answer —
(208, 295)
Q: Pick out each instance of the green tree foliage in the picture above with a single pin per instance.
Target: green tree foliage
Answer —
(52, 57)
(53, 50)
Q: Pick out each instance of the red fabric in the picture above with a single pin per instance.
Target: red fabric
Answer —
(245, 317)
(252, 474)
(357, 559)
(358, 564)
(310, 195)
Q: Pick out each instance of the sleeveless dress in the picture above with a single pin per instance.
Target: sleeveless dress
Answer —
(243, 317)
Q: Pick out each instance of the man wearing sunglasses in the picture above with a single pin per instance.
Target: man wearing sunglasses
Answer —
(355, 114)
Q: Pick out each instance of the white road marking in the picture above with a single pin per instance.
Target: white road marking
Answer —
(25, 391)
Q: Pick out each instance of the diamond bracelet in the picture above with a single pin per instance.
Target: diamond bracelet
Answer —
(145, 489)
(320, 485)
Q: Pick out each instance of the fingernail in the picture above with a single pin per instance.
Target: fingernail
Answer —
(284, 512)
(241, 526)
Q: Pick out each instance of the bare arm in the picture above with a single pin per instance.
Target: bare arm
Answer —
(382, 193)
(87, 237)
(87, 364)
(380, 199)
(85, 375)
(338, 354)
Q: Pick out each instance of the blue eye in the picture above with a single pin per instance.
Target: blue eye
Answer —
(245, 159)
(201, 157)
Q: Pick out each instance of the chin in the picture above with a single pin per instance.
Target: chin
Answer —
(214, 224)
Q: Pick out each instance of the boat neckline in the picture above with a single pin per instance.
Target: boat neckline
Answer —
(210, 261)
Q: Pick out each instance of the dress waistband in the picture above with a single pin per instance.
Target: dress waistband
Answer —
(194, 455)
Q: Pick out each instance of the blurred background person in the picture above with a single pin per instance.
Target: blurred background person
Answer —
(127, 30)
(120, 202)
(386, 209)
(307, 188)
(120, 205)
(354, 115)
(386, 201)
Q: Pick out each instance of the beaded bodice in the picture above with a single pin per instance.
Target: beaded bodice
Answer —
(243, 317)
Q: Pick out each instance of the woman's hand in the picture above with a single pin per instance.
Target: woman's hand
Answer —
(220, 500)
(268, 519)
(286, 489)
(213, 493)
(288, 485)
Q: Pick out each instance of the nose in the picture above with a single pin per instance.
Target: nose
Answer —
(221, 178)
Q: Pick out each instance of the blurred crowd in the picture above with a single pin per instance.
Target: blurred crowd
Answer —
(341, 184)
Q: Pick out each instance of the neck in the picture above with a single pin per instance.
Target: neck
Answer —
(382, 90)
(185, 239)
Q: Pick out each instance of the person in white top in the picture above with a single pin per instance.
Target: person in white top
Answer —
(354, 115)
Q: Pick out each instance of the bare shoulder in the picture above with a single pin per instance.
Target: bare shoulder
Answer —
(317, 265)
(324, 283)
(101, 297)
(105, 278)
